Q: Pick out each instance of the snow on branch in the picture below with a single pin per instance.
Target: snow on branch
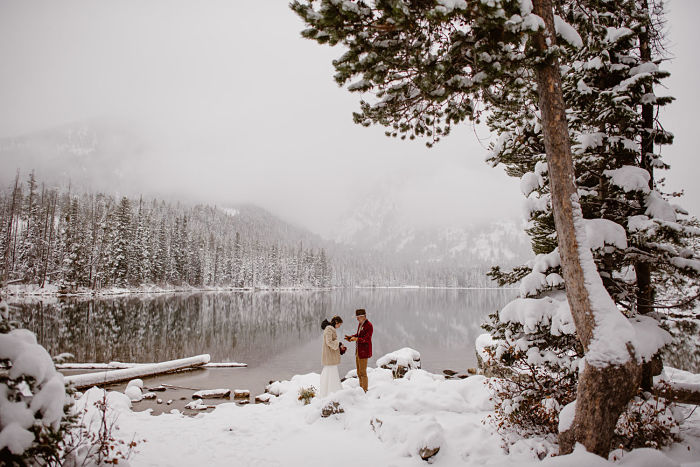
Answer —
(567, 32)
(601, 232)
(629, 178)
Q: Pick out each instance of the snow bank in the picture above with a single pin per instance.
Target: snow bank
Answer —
(389, 425)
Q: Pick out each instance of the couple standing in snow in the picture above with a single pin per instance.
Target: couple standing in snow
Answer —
(333, 349)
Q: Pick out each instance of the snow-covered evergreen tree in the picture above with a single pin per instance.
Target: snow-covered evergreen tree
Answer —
(636, 235)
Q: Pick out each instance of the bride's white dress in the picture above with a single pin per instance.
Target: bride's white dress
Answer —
(330, 380)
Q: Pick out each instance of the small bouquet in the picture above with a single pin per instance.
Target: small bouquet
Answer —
(342, 348)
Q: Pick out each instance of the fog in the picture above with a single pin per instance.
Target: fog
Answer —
(233, 106)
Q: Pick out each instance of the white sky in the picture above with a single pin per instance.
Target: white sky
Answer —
(239, 108)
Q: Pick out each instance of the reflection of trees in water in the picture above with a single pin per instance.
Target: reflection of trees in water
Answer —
(174, 326)
(254, 326)
(436, 318)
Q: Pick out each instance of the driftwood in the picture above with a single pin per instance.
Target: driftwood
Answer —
(108, 377)
(123, 365)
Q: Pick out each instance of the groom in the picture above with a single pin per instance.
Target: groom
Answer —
(363, 338)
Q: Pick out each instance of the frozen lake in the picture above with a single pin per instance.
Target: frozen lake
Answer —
(276, 333)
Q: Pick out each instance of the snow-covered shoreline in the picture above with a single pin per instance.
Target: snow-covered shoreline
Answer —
(15, 291)
(388, 426)
(52, 290)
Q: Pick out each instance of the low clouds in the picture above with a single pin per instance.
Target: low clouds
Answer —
(233, 106)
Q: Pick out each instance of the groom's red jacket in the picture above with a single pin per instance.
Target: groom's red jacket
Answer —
(364, 339)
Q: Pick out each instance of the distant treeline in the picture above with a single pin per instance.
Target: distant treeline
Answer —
(96, 240)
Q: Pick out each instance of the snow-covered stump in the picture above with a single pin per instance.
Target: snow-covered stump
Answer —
(400, 361)
(116, 376)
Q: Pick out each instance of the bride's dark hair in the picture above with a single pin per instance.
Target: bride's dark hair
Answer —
(334, 320)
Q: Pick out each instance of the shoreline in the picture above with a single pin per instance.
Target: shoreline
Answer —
(53, 291)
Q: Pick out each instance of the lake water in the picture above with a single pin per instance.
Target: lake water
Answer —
(276, 333)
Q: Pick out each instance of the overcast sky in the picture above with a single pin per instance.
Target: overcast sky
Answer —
(237, 107)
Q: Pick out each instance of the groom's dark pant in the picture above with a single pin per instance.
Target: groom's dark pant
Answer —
(362, 371)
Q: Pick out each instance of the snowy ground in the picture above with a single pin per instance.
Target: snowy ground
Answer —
(385, 427)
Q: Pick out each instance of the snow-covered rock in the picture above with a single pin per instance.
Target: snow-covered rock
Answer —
(212, 394)
(400, 361)
(133, 393)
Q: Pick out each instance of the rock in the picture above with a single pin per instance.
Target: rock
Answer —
(331, 408)
(197, 405)
(471, 371)
(240, 394)
(212, 394)
(133, 393)
(243, 402)
(427, 453)
(149, 395)
(159, 401)
(400, 361)
(158, 389)
(449, 372)
(462, 376)
(170, 401)
(263, 398)
(136, 382)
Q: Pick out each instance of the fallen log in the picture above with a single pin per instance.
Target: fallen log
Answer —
(679, 393)
(123, 365)
(107, 377)
(678, 386)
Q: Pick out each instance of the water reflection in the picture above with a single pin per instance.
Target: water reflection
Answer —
(253, 327)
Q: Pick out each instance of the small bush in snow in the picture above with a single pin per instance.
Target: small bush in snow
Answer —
(92, 441)
(537, 375)
(648, 422)
(306, 394)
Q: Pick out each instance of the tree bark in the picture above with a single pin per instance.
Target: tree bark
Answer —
(645, 290)
(604, 391)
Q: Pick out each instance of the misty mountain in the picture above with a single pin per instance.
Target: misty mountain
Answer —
(101, 153)
(377, 225)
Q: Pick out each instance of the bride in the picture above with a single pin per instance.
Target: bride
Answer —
(332, 349)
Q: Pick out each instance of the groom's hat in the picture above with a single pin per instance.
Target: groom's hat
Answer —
(360, 312)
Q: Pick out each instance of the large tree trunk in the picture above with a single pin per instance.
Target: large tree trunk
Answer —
(645, 290)
(603, 391)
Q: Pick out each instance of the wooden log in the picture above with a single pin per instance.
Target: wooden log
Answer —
(679, 393)
(107, 377)
(123, 365)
